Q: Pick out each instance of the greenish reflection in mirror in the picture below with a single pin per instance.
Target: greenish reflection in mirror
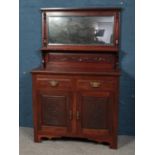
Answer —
(88, 30)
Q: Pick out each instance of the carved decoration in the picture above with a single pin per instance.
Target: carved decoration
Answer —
(81, 58)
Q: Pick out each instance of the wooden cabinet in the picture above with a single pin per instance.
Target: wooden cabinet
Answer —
(55, 110)
(75, 92)
(80, 106)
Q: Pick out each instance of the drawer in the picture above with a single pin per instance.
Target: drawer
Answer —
(54, 83)
(96, 84)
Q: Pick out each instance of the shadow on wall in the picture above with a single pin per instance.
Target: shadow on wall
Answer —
(127, 98)
(25, 110)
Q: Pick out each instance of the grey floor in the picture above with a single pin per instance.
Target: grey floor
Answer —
(126, 146)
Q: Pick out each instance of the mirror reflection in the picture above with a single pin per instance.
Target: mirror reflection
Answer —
(80, 30)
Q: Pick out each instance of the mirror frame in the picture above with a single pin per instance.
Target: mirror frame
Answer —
(82, 13)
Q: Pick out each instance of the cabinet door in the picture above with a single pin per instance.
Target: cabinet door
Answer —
(55, 111)
(94, 113)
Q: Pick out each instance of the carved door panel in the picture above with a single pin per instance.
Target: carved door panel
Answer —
(94, 113)
(55, 111)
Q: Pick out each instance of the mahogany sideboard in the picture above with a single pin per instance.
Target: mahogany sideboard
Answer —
(76, 90)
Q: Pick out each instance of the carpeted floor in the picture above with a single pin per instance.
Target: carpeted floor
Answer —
(126, 146)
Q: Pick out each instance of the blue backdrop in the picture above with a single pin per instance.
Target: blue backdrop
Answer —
(30, 56)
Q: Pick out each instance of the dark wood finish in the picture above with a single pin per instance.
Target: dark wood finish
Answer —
(54, 83)
(78, 92)
(99, 84)
(80, 12)
(54, 110)
(75, 92)
(77, 62)
(94, 108)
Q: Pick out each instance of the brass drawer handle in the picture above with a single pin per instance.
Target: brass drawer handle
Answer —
(78, 115)
(54, 83)
(95, 84)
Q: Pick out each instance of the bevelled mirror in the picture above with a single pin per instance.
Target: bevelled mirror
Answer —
(80, 30)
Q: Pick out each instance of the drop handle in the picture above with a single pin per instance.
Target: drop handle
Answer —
(78, 115)
(95, 84)
(54, 83)
(116, 42)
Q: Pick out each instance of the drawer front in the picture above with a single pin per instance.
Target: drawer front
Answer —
(96, 84)
(54, 83)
